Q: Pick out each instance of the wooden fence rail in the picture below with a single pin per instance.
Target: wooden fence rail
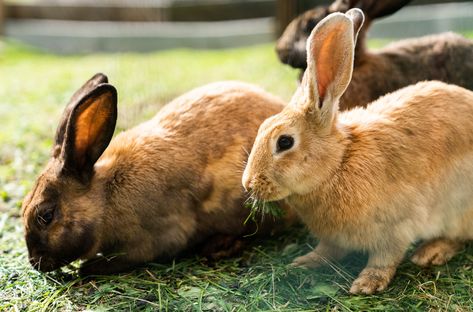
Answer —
(127, 10)
(152, 12)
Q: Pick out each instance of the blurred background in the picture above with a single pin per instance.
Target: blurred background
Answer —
(82, 26)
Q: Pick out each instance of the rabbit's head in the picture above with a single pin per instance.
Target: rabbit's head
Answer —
(296, 149)
(291, 46)
(60, 214)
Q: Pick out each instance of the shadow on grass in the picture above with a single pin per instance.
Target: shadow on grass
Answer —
(261, 280)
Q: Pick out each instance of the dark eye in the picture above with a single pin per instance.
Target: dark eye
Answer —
(285, 142)
(46, 217)
(310, 25)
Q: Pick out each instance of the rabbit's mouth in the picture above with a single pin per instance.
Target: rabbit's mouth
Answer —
(44, 264)
(262, 188)
(267, 193)
(294, 58)
(271, 196)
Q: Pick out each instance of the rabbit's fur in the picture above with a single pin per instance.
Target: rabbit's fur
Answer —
(447, 57)
(291, 46)
(373, 179)
(158, 189)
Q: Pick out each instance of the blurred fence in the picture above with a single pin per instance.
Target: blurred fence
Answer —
(288, 9)
(2, 17)
(76, 26)
(79, 26)
(142, 11)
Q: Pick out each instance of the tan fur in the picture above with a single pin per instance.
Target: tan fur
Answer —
(224, 171)
(375, 179)
(447, 57)
(436, 252)
(160, 188)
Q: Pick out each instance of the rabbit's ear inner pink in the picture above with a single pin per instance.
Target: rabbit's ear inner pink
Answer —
(91, 84)
(89, 130)
(330, 50)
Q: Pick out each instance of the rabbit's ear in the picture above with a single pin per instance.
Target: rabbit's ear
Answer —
(88, 131)
(372, 8)
(330, 52)
(76, 97)
(357, 18)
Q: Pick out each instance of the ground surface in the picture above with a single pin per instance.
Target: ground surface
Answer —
(33, 91)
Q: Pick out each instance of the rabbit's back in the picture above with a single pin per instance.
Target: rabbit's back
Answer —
(199, 125)
(213, 112)
(429, 119)
(447, 57)
(416, 143)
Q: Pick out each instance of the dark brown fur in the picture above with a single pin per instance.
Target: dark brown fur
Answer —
(446, 57)
(157, 190)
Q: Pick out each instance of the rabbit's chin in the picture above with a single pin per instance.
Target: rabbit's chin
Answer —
(45, 264)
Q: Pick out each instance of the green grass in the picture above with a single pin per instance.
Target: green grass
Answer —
(34, 88)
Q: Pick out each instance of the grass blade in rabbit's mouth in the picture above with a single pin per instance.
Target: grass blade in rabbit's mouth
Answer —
(262, 208)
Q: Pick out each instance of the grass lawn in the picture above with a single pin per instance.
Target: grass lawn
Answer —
(34, 88)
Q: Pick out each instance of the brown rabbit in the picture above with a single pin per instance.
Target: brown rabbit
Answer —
(156, 190)
(375, 179)
(446, 57)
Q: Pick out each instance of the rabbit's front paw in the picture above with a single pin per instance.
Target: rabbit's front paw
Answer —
(308, 261)
(372, 280)
(105, 265)
(221, 246)
(436, 252)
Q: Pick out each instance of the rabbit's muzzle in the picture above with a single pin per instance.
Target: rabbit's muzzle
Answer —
(292, 57)
(259, 187)
(44, 264)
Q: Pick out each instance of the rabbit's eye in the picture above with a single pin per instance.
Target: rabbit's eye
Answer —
(46, 217)
(285, 142)
(311, 23)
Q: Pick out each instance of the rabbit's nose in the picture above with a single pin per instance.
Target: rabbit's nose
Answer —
(247, 182)
(246, 186)
(283, 54)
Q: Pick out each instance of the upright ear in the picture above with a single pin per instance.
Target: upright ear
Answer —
(372, 8)
(76, 97)
(357, 18)
(88, 130)
(330, 53)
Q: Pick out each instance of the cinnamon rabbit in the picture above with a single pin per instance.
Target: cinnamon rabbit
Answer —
(152, 192)
(374, 179)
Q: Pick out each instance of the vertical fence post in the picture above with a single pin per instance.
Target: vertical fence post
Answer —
(2, 18)
(286, 10)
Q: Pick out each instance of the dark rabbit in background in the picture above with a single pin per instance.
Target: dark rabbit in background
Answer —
(152, 192)
(447, 57)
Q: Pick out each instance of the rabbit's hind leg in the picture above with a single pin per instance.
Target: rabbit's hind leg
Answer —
(437, 251)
